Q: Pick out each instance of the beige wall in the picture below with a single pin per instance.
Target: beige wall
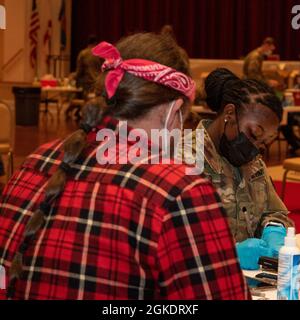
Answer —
(1, 45)
(14, 40)
(199, 66)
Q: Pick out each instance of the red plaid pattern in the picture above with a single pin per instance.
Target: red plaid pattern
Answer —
(143, 231)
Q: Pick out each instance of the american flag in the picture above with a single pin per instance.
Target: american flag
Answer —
(63, 25)
(48, 43)
(33, 34)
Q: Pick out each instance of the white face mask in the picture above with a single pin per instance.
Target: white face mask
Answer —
(167, 120)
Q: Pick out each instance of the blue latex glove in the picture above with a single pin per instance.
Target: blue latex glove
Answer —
(274, 237)
(250, 250)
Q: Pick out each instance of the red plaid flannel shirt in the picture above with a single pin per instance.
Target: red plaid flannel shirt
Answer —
(145, 231)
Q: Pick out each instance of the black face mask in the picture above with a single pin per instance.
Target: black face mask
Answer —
(238, 151)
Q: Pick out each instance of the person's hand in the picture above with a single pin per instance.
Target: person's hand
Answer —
(274, 237)
(249, 251)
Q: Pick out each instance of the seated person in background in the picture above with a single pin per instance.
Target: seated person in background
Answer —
(291, 138)
(73, 228)
(87, 68)
(248, 117)
(253, 63)
(297, 82)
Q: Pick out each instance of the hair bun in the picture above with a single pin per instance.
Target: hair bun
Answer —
(214, 87)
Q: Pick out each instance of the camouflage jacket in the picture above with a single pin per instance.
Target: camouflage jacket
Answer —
(248, 187)
(253, 65)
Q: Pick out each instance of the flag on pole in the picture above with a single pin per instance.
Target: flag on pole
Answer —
(33, 34)
(47, 43)
(2, 18)
(63, 26)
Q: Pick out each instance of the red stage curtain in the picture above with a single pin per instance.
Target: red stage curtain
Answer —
(205, 28)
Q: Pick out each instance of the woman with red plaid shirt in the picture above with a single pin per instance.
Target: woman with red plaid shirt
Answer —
(74, 228)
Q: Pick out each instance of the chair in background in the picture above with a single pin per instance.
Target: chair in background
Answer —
(7, 136)
(289, 165)
(47, 101)
(77, 103)
(75, 108)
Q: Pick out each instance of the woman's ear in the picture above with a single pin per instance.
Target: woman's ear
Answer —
(173, 118)
(178, 104)
(229, 113)
(229, 117)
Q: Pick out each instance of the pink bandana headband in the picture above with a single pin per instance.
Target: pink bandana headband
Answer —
(146, 69)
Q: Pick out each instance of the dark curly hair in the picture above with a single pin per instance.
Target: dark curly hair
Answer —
(223, 87)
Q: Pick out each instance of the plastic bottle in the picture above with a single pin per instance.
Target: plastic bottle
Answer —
(288, 286)
(288, 99)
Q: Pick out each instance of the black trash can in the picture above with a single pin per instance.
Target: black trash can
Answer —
(27, 103)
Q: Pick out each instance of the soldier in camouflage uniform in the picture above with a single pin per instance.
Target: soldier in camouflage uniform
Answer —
(248, 116)
(248, 187)
(254, 60)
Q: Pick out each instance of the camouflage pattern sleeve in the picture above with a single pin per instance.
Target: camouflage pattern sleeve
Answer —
(276, 209)
(254, 70)
(253, 66)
